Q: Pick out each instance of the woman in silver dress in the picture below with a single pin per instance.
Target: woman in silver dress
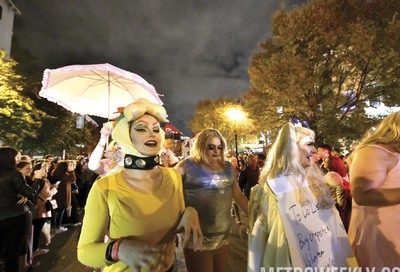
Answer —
(209, 186)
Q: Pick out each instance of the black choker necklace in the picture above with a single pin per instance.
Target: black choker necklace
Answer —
(133, 162)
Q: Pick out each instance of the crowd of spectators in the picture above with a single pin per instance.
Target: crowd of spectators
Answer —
(68, 182)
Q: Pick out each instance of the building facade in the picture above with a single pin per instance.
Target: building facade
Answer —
(7, 12)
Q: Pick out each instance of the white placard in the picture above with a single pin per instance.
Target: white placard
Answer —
(316, 236)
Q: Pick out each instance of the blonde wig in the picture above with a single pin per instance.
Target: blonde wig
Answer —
(283, 160)
(388, 132)
(135, 110)
(200, 146)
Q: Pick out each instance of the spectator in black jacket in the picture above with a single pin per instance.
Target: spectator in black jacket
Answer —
(15, 216)
(249, 177)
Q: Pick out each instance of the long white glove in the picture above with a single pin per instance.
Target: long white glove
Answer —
(97, 154)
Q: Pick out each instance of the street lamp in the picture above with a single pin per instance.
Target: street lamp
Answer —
(236, 115)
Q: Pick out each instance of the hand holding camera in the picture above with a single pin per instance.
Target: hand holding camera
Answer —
(40, 174)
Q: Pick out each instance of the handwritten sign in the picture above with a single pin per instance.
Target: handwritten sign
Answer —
(316, 236)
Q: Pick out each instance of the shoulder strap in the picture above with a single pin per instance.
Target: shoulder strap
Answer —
(112, 186)
(381, 147)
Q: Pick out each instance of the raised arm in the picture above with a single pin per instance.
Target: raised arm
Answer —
(94, 163)
(24, 189)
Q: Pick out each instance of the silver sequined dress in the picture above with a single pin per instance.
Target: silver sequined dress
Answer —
(210, 193)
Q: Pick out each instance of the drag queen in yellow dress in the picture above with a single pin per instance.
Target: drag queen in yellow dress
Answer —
(141, 207)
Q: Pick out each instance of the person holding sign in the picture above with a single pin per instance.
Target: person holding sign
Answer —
(292, 221)
(375, 185)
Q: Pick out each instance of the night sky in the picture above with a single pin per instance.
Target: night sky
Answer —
(188, 50)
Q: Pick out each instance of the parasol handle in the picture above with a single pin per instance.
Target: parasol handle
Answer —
(109, 97)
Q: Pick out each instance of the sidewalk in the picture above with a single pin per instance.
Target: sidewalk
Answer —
(62, 255)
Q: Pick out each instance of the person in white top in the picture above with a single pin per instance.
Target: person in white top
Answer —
(114, 156)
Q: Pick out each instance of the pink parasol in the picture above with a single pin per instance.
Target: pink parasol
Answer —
(94, 89)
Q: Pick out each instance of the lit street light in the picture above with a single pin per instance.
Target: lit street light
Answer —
(236, 115)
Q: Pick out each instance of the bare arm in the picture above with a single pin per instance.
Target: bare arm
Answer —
(181, 167)
(239, 197)
(190, 226)
(368, 171)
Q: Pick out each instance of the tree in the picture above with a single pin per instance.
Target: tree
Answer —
(18, 116)
(213, 114)
(53, 129)
(326, 59)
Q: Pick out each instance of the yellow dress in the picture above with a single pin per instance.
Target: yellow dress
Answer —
(149, 218)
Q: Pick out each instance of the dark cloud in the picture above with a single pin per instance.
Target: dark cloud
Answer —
(189, 50)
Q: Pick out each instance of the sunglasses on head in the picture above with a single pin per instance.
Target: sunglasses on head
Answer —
(214, 147)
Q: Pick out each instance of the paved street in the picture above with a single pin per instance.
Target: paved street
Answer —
(62, 255)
